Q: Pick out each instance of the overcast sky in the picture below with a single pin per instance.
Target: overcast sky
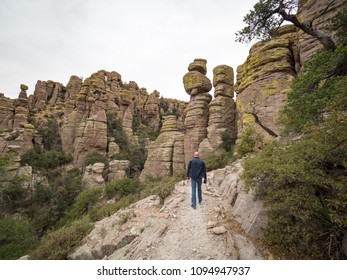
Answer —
(150, 42)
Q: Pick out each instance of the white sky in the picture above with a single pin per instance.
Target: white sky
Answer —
(150, 42)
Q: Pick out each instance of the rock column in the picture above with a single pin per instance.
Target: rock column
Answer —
(197, 85)
(165, 154)
(222, 108)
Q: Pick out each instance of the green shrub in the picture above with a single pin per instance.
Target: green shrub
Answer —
(95, 157)
(49, 203)
(5, 161)
(303, 185)
(319, 89)
(218, 160)
(16, 239)
(45, 160)
(248, 141)
(122, 187)
(228, 140)
(13, 194)
(51, 139)
(107, 210)
(115, 129)
(160, 186)
(56, 245)
(68, 185)
(86, 200)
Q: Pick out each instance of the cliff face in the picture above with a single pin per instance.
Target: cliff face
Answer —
(266, 76)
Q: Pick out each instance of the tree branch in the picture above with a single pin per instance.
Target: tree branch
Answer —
(323, 38)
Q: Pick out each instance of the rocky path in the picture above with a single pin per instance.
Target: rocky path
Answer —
(203, 233)
(187, 236)
(224, 226)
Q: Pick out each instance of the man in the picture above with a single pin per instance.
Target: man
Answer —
(196, 172)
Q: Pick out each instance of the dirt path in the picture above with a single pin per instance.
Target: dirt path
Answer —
(187, 236)
(149, 230)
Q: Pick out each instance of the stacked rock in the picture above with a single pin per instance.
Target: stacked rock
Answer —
(117, 169)
(6, 113)
(197, 85)
(222, 108)
(152, 110)
(21, 108)
(92, 177)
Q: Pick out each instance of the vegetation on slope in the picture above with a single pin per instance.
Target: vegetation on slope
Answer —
(303, 182)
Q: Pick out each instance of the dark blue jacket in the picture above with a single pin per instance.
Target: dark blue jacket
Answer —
(196, 169)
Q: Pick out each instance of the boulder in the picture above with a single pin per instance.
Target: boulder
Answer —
(117, 169)
(92, 176)
(199, 65)
(196, 82)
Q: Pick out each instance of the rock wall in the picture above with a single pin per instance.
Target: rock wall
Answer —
(249, 212)
(14, 127)
(321, 13)
(265, 78)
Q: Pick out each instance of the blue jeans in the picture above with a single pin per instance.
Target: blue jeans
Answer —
(196, 181)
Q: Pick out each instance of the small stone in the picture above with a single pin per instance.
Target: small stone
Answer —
(219, 230)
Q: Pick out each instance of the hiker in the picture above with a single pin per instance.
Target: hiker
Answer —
(196, 172)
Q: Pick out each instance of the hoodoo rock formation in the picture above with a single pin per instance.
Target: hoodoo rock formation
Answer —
(197, 85)
(166, 153)
(222, 114)
(86, 115)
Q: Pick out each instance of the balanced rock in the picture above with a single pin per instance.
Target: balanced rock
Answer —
(24, 87)
(199, 65)
(195, 83)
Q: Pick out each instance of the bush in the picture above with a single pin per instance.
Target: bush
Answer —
(316, 91)
(48, 204)
(5, 161)
(218, 160)
(107, 210)
(16, 239)
(95, 157)
(122, 187)
(51, 139)
(228, 140)
(303, 184)
(56, 245)
(12, 194)
(115, 129)
(248, 141)
(160, 186)
(86, 200)
(45, 160)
